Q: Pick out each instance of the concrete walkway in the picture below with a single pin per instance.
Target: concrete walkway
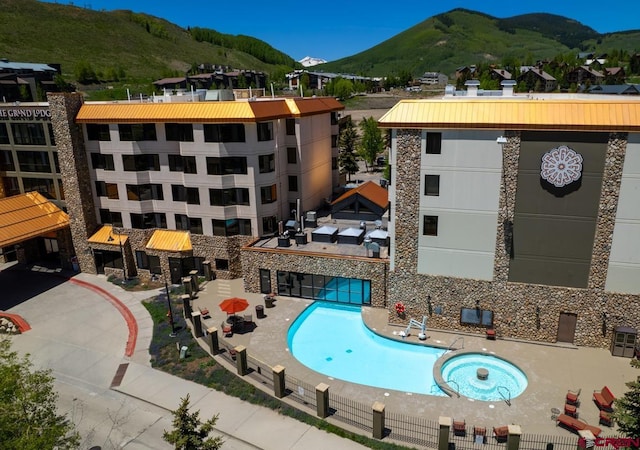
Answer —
(86, 328)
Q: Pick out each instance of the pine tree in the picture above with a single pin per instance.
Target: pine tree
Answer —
(347, 158)
(189, 433)
(627, 411)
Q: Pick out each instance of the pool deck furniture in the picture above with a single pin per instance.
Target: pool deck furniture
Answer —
(227, 329)
(576, 425)
(491, 334)
(459, 427)
(571, 410)
(479, 435)
(605, 419)
(501, 433)
(573, 397)
(204, 312)
(604, 398)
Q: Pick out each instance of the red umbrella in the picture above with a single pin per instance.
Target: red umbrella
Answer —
(233, 305)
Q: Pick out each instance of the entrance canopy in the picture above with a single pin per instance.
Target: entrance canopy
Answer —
(170, 241)
(105, 235)
(26, 216)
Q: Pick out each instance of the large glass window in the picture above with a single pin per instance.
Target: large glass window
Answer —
(142, 260)
(179, 163)
(28, 134)
(44, 186)
(324, 287)
(293, 183)
(6, 161)
(229, 197)
(191, 195)
(112, 217)
(52, 138)
(192, 224)
(267, 163)
(149, 220)
(98, 132)
(231, 227)
(269, 224)
(227, 165)
(109, 190)
(143, 192)
(434, 143)
(102, 161)
(291, 127)
(139, 163)
(430, 226)
(11, 186)
(265, 131)
(4, 134)
(268, 194)
(34, 161)
(224, 132)
(292, 155)
(432, 185)
(137, 131)
(182, 132)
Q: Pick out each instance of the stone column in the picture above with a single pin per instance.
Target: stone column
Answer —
(186, 306)
(322, 400)
(443, 434)
(212, 340)
(241, 360)
(74, 169)
(513, 439)
(378, 420)
(278, 381)
(196, 318)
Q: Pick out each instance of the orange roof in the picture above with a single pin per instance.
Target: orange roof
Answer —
(515, 114)
(369, 190)
(105, 235)
(170, 241)
(26, 216)
(207, 112)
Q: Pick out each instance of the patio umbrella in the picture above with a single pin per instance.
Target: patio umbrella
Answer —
(233, 305)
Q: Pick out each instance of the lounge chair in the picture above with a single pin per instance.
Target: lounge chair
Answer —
(501, 433)
(227, 329)
(576, 425)
(572, 397)
(459, 428)
(571, 410)
(479, 435)
(604, 399)
(204, 312)
(605, 419)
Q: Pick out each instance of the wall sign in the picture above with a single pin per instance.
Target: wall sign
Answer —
(561, 166)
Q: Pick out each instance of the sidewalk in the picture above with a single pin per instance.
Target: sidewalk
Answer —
(84, 327)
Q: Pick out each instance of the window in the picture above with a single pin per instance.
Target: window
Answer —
(109, 190)
(476, 316)
(334, 140)
(293, 183)
(181, 132)
(154, 264)
(144, 192)
(224, 132)
(191, 195)
(268, 194)
(434, 143)
(4, 134)
(265, 131)
(334, 118)
(139, 163)
(43, 185)
(334, 163)
(292, 155)
(150, 220)
(98, 132)
(101, 161)
(34, 161)
(231, 227)
(52, 138)
(179, 163)
(430, 226)
(267, 163)
(137, 132)
(269, 224)
(222, 264)
(112, 217)
(229, 197)
(291, 127)
(226, 166)
(11, 186)
(192, 224)
(6, 160)
(432, 185)
(142, 261)
(28, 134)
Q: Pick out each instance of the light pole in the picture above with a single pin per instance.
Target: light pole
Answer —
(124, 269)
(170, 313)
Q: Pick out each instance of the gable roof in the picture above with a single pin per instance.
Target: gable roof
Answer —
(369, 190)
(26, 216)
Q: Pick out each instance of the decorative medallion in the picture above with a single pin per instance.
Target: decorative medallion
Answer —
(561, 166)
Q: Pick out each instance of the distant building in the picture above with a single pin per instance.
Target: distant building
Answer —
(500, 74)
(214, 80)
(318, 80)
(433, 78)
(537, 79)
(21, 81)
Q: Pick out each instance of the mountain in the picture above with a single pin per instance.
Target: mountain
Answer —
(145, 47)
(309, 61)
(462, 37)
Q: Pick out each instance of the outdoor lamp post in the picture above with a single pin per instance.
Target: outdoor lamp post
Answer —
(124, 270)
(170, 312)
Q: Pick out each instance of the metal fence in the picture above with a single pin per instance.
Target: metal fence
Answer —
(301, 392)
(260, 371)
(542, 442)
(413, 430)
(476, 438)
(351, 412)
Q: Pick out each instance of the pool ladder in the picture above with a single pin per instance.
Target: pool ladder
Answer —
(507, 397)
(459, 338)
(455, 391)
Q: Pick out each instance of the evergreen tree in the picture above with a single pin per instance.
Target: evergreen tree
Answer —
(348, 142)
(627, 409)
(372, 142)
(189, 433)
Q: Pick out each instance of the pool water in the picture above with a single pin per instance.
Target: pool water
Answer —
(333, 340)
(505, 381)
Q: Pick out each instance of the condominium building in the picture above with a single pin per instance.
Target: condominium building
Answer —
(518, 215)
(158, 188)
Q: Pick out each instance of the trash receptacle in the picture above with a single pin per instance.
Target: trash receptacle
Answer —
(260, 311)
(183, 351)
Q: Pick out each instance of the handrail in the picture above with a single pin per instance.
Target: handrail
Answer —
(506, 399)
(456, 340)
(457, 392)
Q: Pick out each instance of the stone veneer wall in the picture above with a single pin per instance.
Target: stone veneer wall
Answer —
(74, 169)
(523, 311)
(373, 269)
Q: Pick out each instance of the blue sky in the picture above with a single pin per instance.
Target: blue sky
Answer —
(338, 29)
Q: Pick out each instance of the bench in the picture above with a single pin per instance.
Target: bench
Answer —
(604, 399)
(576, 425)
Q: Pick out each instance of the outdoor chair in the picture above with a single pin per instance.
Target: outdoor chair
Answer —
(479, 435)
(501, 433)
(227, 330)
(459, 427)
(604, 399)
(573, 424)
(248, 318)
(571, 410)
(573, 398)
(204, 312)
(605, 419)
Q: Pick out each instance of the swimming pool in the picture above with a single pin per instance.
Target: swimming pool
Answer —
(333, 340)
